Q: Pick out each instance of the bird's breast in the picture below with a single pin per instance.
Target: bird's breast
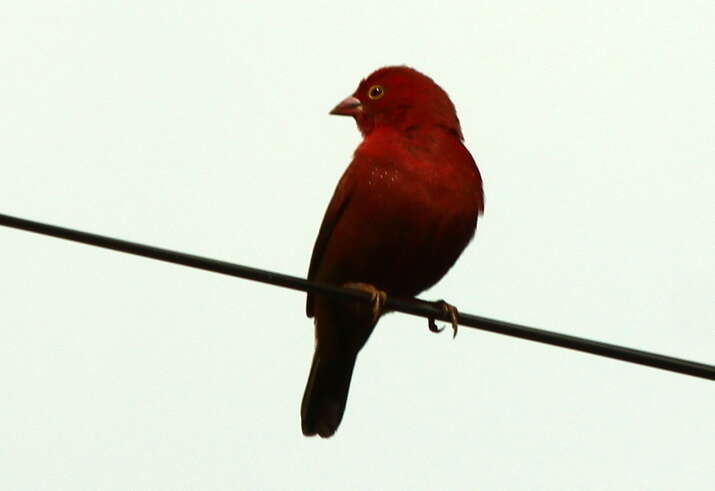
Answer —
(408, 220)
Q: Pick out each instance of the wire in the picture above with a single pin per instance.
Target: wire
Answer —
(408, 306)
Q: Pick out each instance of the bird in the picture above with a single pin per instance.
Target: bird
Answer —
(401, 214)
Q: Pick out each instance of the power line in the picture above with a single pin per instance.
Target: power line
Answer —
(407, 306)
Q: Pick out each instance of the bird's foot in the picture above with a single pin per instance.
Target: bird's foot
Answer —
(377, 297)
(448, 310)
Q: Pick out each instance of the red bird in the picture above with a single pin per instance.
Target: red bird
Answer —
(402, 213)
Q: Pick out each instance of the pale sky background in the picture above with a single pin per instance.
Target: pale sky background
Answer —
(203, 127)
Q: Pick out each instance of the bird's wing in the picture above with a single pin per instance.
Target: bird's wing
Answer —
(336, 208)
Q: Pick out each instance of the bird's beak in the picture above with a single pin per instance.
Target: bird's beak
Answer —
(350, 106)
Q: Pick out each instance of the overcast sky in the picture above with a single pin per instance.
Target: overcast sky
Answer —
(203, 127)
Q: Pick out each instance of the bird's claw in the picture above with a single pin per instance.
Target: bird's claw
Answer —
(377, 297)
(450, 311)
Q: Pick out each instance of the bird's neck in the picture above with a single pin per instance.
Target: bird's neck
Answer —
(410, 123)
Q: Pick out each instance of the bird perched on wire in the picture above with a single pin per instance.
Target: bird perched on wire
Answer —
(400, 216)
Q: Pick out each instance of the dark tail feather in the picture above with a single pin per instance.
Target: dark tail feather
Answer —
(326, 394)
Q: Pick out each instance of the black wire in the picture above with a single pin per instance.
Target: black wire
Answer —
(402, 305)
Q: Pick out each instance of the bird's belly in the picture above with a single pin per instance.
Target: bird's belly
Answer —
(402, 246)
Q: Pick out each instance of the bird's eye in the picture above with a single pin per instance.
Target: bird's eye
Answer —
(375, 92)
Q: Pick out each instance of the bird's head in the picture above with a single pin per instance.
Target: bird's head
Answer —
(401, 98)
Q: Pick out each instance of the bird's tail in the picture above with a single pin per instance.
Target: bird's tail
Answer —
(326, 393)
